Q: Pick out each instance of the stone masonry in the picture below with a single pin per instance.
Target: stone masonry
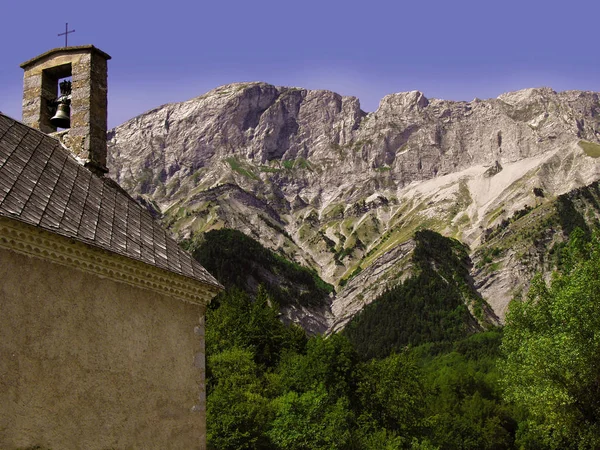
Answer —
(87, 66)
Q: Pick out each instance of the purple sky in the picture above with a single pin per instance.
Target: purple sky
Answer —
(172, 51)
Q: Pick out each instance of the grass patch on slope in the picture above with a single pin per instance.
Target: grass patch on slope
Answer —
(238, 167)
(591, 149)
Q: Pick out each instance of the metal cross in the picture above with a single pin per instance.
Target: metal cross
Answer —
(66, 33)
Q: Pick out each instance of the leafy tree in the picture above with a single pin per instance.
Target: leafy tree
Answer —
(314, 408)
(236, 320)
(391, 395)
(379, 439)
(244, 341)
(390, 403)
(312, 420)
(238, 412)
(552, 354)
(463, 406)
(329, 362)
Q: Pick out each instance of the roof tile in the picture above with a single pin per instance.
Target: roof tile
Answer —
(43, 185)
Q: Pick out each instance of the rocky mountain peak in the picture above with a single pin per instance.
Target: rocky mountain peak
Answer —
(402, 101)
(528, 96)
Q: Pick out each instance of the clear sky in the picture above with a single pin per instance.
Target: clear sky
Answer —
(174, 50)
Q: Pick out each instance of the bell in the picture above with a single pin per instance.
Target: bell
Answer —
(62, 118)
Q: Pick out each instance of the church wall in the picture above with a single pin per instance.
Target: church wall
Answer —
(91, 363)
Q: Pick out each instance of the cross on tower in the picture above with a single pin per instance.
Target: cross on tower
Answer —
(66, 33)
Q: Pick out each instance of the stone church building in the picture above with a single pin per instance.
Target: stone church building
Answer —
(101, 312)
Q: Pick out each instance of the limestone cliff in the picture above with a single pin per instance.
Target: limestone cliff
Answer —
(312, 176)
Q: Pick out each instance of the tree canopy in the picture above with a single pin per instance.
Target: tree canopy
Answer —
(551, 352)
(533, 385)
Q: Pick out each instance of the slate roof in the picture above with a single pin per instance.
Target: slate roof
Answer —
(43, 185)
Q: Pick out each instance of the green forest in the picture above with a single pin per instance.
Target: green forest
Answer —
(428, 376)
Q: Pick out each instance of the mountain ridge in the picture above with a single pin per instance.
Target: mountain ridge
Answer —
(316, 179)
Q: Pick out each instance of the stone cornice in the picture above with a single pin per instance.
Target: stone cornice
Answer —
(66, 50)
(32, 241)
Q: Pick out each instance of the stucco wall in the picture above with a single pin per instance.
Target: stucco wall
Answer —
(90, 363)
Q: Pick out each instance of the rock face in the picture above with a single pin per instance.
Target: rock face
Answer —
(312, 176)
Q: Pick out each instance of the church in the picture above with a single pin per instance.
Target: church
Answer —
(101, 312)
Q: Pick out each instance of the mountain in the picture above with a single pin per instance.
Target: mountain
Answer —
(311, 176)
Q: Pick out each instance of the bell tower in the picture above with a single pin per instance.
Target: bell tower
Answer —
(81, 106)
